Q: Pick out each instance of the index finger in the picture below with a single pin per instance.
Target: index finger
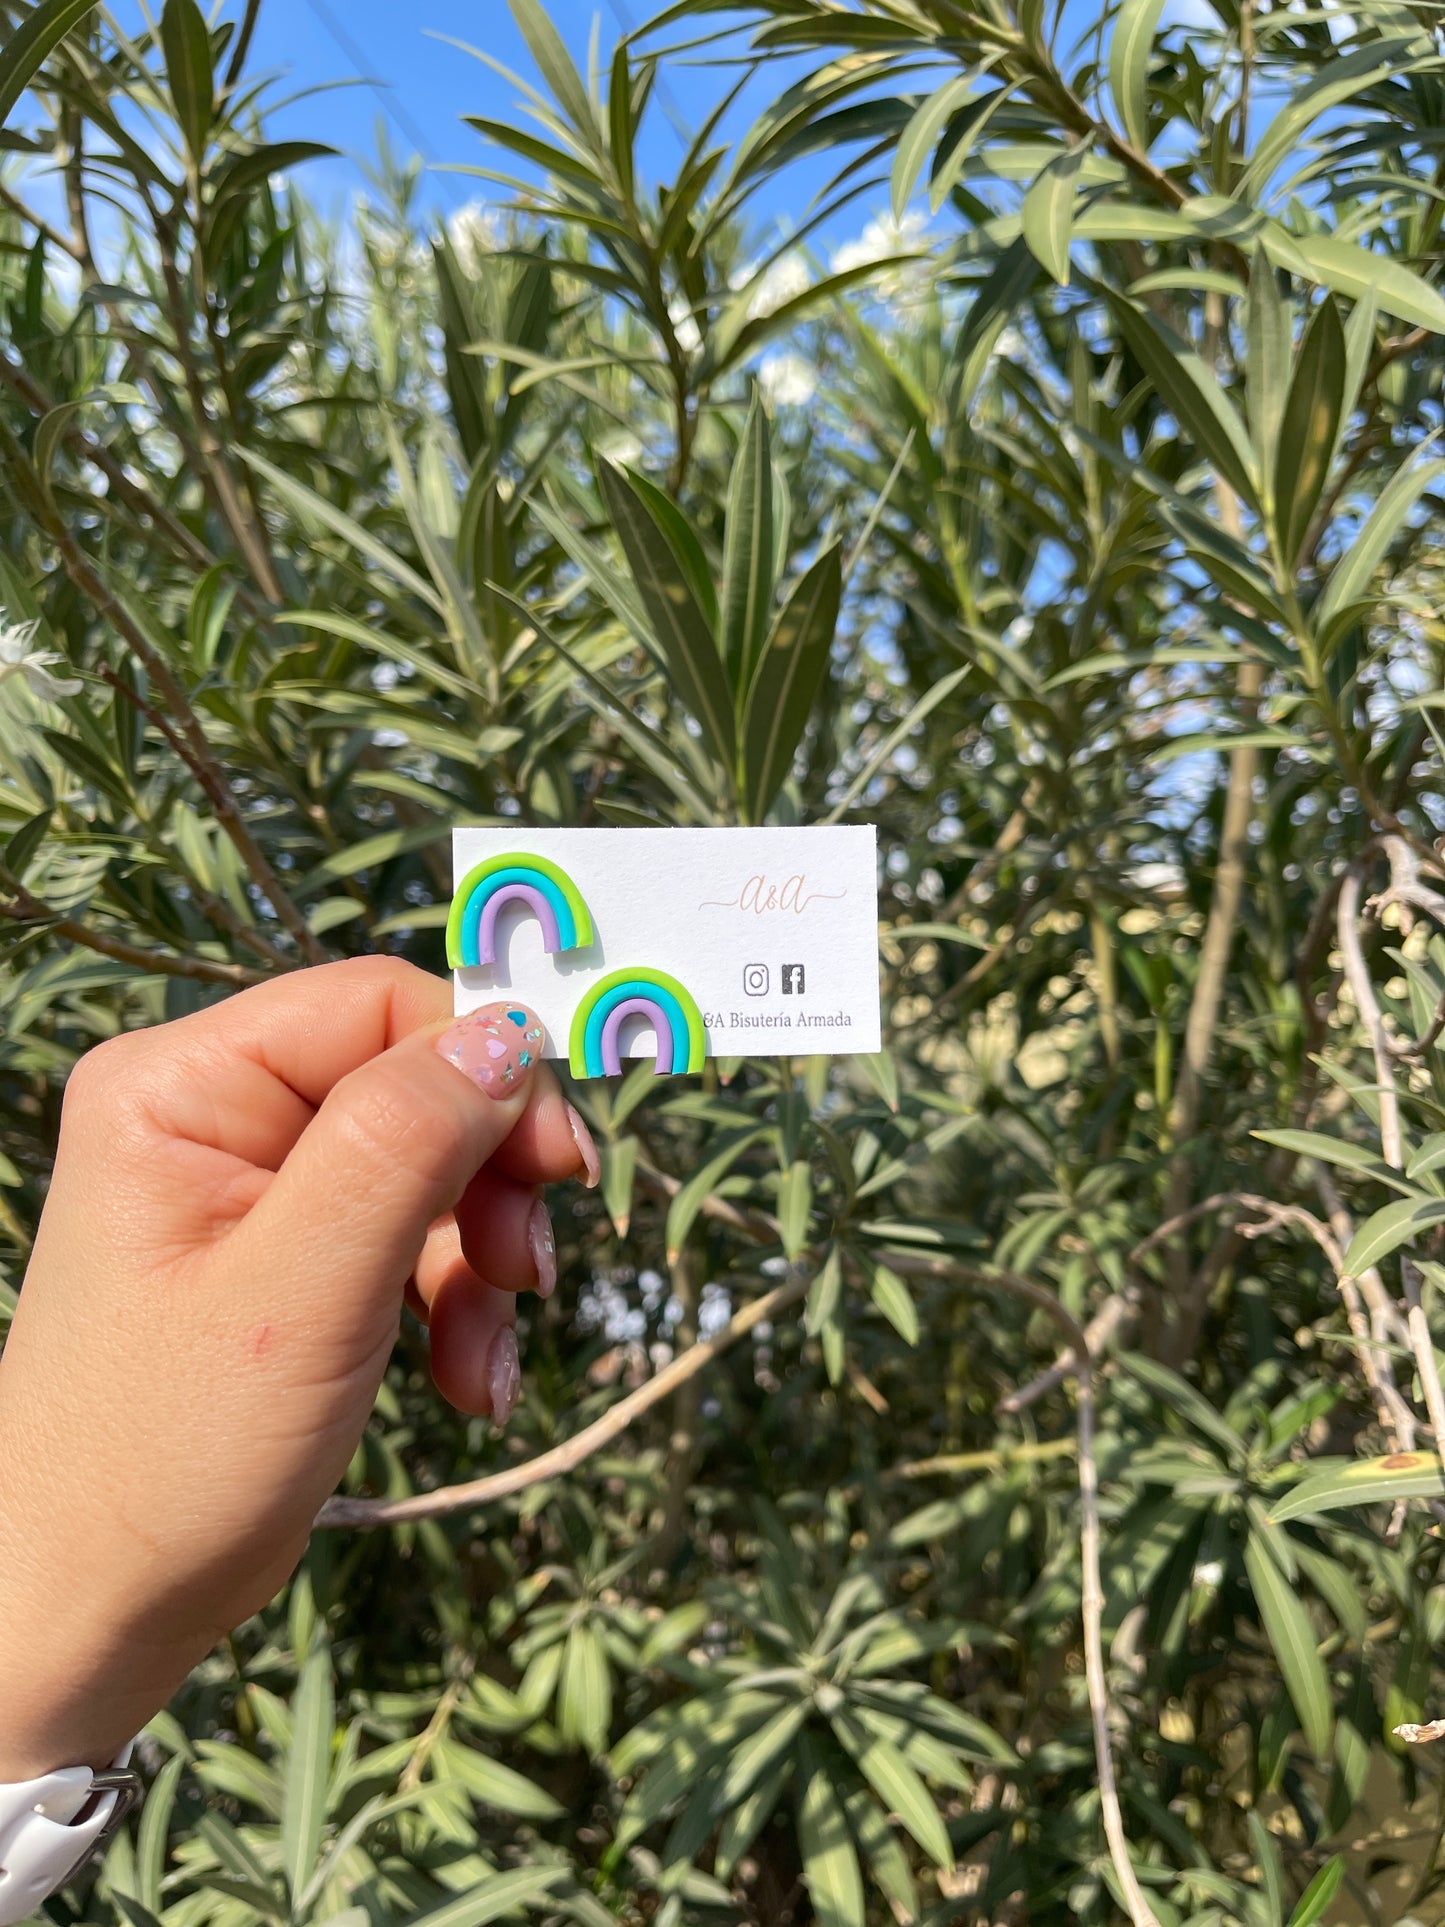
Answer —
(245, 1077)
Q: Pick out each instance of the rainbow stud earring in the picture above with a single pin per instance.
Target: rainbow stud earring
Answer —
(544, 887)
(668, 1006)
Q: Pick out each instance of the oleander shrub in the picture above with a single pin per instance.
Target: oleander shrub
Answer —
(1075, 523)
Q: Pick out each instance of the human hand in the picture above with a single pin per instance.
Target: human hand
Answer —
(240, 1201)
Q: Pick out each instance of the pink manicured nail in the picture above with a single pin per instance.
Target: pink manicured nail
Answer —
(497, 1046)
(586, 1149)
(543, 1243)
(504, 1372)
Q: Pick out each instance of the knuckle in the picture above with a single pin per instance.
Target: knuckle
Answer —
(105, 1103)
(390, 974)
(102, 1075)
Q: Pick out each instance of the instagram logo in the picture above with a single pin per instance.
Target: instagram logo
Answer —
(755, 980)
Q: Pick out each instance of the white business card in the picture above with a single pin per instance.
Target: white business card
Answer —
(672, 944)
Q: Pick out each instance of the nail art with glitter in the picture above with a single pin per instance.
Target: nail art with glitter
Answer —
(504, 1374)
(591, 1171)
(542, 1242)
(498, 1047)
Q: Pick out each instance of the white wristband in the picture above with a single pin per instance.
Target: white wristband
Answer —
(40, 1848)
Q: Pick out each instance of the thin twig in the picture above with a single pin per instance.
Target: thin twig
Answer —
(1112, 1318)
(156, 963)
(436, 1726)
(1388, 1098)
(572, 1452)
(89, 448)
(1092, 1602)
(42, 227)
(1396, 1417)
(1414, 1735)
(179, 723)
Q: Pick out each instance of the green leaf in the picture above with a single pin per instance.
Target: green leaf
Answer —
(187, 47)
(957, 147)
(682, 1212)
(25, 842)
(33, 42)
(921, 134)
(884, 1852)
(308, 1769)
(374, 851)
(584, 1691)
(619, 1169)
(825, 1294)
(748, 551)
(789, 675)
(1268, 363)
(691, 1741)
(502, 1894)
(1335, 82)
(1177, 1395)
(748, 1818)
(795, 1205)
(1271, 1868)
(153, 1833)
(895, 1301)
(312, 507)
(759, 1754)
(331, 913)
(48, 438)
(898, 1786)
(494, 1784)
(235, 1855)
(621, 126)
(735, 339)
(1135, 26)
(1363, 274)
(679, 627)
(1400, 1475)
(134, 1910)
(1291, 1633)
(1191, 394)
(548, 49)
(1319, 1893)
(830, 1860)
(1429, 1157)
(1309, 430)
(683, 541)
(1386, 1230)
(1048, 213)
(1339, 1151)
(243, 172)
(1352, 577)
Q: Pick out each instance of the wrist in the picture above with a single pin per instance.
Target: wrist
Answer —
(71, 1692)
(58, 1714)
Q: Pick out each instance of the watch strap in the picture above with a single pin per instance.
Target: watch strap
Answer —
(50, 1827)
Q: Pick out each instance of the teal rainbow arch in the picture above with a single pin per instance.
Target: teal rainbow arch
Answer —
(544, 888)
(661, 1001)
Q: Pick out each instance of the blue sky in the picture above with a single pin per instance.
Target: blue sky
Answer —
(422, 87)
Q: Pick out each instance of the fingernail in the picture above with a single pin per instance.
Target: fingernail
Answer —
(504, 1370)
(543, 1243)
(587, 1150)
(497, 1046)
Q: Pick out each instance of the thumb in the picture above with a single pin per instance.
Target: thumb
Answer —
(392, 1148)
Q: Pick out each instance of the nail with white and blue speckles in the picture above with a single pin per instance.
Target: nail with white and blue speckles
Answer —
(497, 1046)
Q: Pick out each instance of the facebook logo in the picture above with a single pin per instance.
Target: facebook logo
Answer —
(792, 980)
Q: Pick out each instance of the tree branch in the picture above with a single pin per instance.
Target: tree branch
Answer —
(1092, 1605)
(156, 963)
(181, 726)
(1391, 1142)
(572, 1452)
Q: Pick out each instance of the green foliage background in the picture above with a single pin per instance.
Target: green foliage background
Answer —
(1081, 535)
